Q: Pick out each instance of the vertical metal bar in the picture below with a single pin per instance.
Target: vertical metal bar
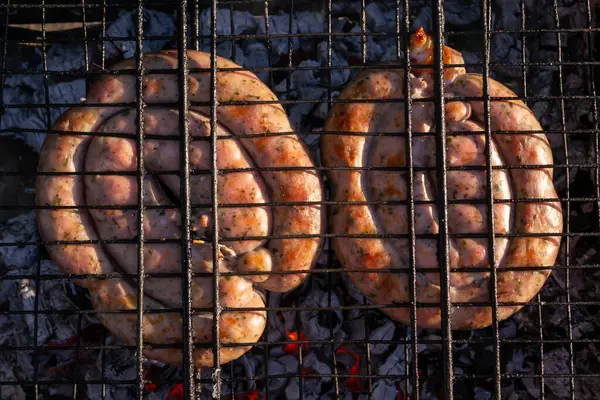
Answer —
(591, 49)
(412, 283)
(4, 52)
(368, 350)
(104, 336)
(77, 348)
(269, 43)
(232, 27)
(103, 366)
(102, 41)
(402, 38)
(139, 87)
(85, 37)
(215, 202)
(567, 213)
(195, 42)
(538, 297)
(493, 288)
(185, 208)
(38, 264)
(440, 126)
(290, 52)
(330, 254)
(363, 58)
(363, 31)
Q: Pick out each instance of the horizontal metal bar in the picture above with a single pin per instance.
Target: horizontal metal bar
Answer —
(316, 271)
(57, 347)
(204, 311)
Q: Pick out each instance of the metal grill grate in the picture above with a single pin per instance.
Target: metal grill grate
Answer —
(580, 203)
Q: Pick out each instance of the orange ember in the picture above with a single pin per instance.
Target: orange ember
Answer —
(175, 393)
(353, 384)
(251, 395)
(292, 348)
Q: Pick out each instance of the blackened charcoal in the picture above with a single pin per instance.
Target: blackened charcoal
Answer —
(384, 332)
(314, 83)
(460, 12)
(155, 24)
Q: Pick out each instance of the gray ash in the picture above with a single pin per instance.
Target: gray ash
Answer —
(387, 355)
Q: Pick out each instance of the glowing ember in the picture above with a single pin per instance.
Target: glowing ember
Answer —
(150, 386)
(251, 395)
(308, 371)
(175, 393)
(292, 348)
(353, 384)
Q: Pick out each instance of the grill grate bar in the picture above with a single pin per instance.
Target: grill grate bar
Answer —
(330, 253)
(188, 374)
(411, 208)
(361, 37)
(140, 201)
(567, 214)
(39, 260)
(442, 193)
(215, 229)
(493, 284)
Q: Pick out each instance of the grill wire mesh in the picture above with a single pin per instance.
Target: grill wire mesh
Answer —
(569, 289)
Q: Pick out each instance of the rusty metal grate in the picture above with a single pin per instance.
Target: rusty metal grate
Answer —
(31, 25)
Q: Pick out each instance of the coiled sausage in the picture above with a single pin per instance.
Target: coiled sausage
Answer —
(467, 185)
(97, 156)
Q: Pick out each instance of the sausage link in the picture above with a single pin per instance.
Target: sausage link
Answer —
(466, 147)
(75, 151)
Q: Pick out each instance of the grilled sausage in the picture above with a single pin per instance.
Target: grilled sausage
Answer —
(250, 137)
(366, 256)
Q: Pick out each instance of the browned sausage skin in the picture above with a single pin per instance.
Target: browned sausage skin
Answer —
(97, 156)
(360, 185)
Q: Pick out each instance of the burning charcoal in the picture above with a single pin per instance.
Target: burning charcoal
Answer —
(509, 14)
(226, 50)
(66, 57)
(391, 53)
(508, 329)
(155, 24)
(395, 363)
(381, 18)
(422, 18)
(384, 332)
(18, 229)
(383, 389)
(63, 92)
(557, 362)
(320, 325)
(312, 362)
(257, 56)
(311, 387)
(10, 392)
(279, 24)
(460, 12)
(342, 6)
(352, 290)
(482, 394)
(309, 23)
(243, 22)
(300, 111)
(301, 77)
(282, 365)
(338, 76)
(506, 48)
(583, 329)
